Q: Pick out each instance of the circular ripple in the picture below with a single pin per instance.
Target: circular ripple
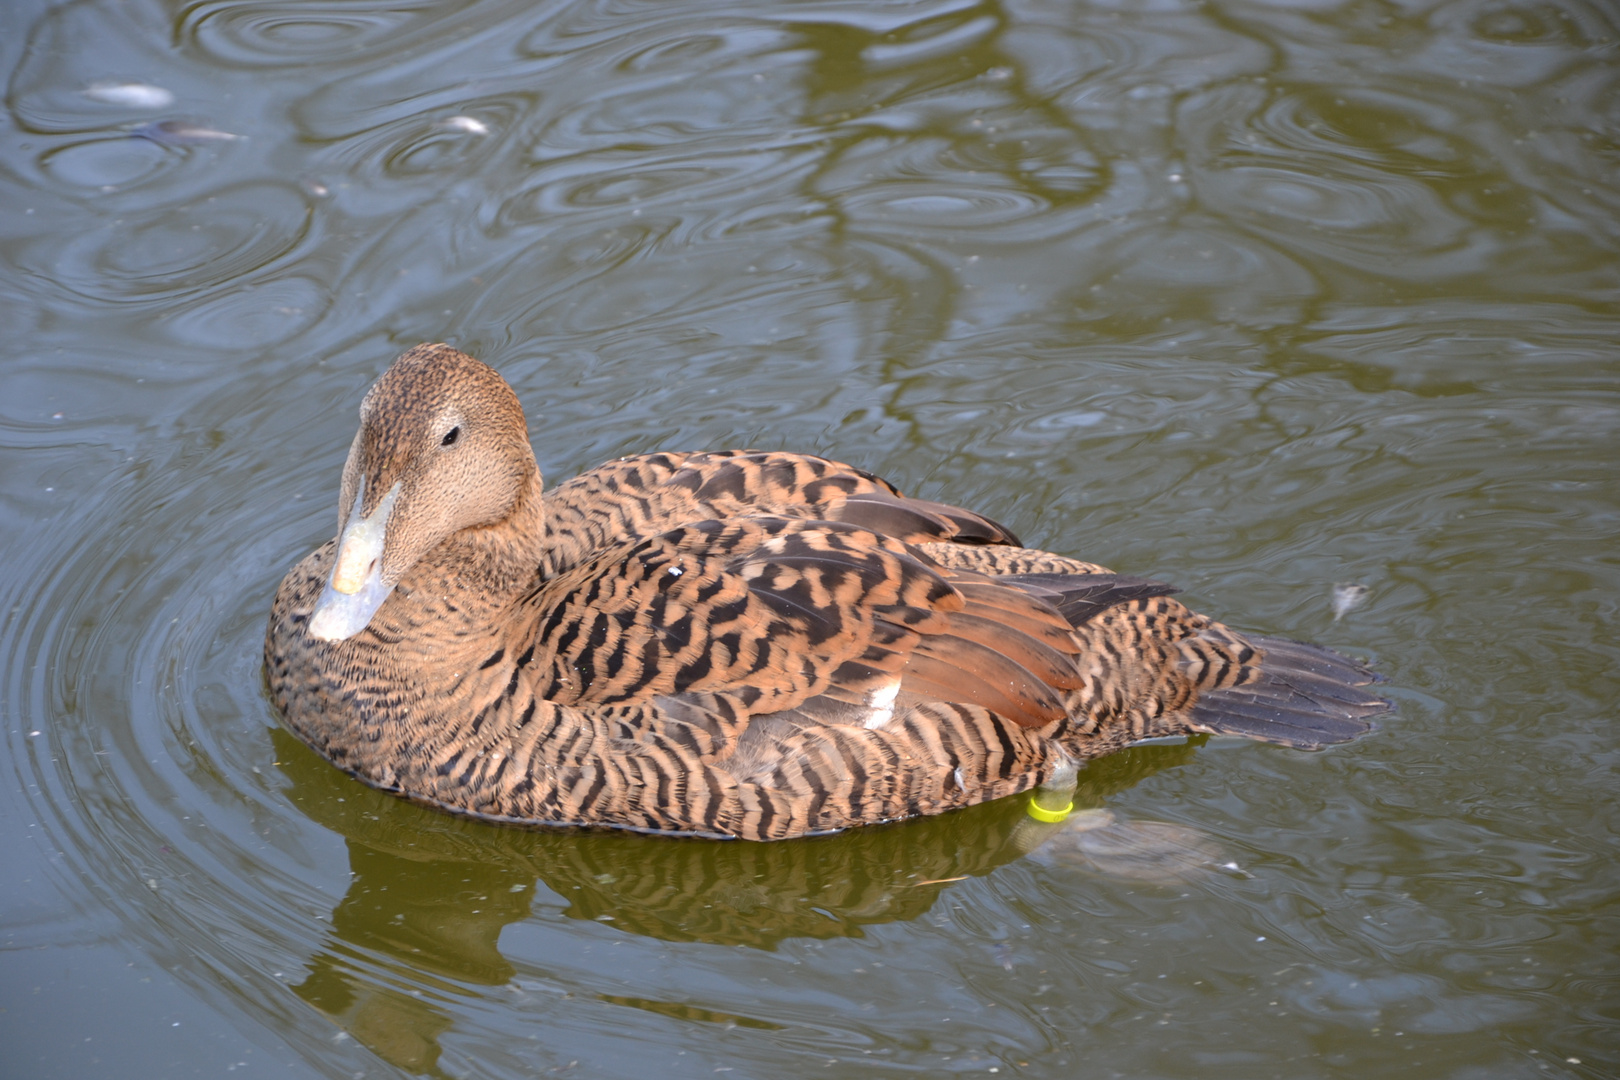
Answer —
(251, 317)
(1569, 25)
(177, 251)
(434, 150)
(119, 161)
(940, 188)
(300, 899)
(1364, 180)
(406, 141)
(1395, 134)
(702, 186)
(132, 650)
(925, 204)
(1359, 210)
(256, 33)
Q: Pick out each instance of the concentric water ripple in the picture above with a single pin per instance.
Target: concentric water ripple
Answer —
(297, 31)
(618, 189)
(157, 775)
(118, 161)
(438, 144)
(170, 252)
(151, 769)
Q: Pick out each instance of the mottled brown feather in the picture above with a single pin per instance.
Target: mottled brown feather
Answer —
(737, 644)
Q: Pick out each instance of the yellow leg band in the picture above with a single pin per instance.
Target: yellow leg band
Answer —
(1051, 817)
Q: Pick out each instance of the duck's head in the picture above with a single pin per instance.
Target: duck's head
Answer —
(442, 451)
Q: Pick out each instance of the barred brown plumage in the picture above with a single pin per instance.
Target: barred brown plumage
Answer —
(730, 644)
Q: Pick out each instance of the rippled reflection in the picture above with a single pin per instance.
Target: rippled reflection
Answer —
(428, 897)
(172, 252)
(119, 161)
(295, 31)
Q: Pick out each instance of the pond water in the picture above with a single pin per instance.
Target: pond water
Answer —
(1259, 298)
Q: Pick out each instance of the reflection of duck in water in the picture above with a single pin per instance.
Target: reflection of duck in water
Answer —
(429, 895)
(755, 645)
(438, 889)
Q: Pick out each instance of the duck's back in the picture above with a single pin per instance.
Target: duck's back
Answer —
(636, 497)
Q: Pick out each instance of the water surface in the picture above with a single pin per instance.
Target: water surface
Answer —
(1257, 298)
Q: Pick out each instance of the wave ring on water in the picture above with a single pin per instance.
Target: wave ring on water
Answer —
(272, 34)
(175, 251)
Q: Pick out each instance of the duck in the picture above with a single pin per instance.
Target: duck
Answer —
(736, 644)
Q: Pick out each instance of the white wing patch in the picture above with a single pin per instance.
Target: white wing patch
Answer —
(881, 704)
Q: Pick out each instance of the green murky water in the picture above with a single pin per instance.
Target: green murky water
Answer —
(1258, 298)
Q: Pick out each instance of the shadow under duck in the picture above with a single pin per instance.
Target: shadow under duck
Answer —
(738, 644)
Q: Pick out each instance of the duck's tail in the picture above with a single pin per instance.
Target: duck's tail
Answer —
(1302, 695)
(1215, 680)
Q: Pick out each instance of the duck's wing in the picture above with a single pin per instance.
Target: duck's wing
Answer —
(776, 613)
(769, 676)
(1154, 667)
(639, 497)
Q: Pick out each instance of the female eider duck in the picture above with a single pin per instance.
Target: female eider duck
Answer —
(733, 644)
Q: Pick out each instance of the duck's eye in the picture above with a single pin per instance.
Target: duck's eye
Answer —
(450, 437)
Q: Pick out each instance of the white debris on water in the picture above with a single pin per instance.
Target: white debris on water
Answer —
(471, 125)
(1347, 597)
(180, 133)
(130, 95)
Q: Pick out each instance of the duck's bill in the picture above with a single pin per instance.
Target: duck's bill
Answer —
(355, 590)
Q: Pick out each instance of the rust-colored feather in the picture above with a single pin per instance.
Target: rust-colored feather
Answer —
(949, 668)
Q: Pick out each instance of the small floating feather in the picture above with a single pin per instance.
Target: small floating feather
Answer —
(1347, 597)
(470, 125)
(130, 95)
(180, 133)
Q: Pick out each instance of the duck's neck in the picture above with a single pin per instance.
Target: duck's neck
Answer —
(486, 568)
